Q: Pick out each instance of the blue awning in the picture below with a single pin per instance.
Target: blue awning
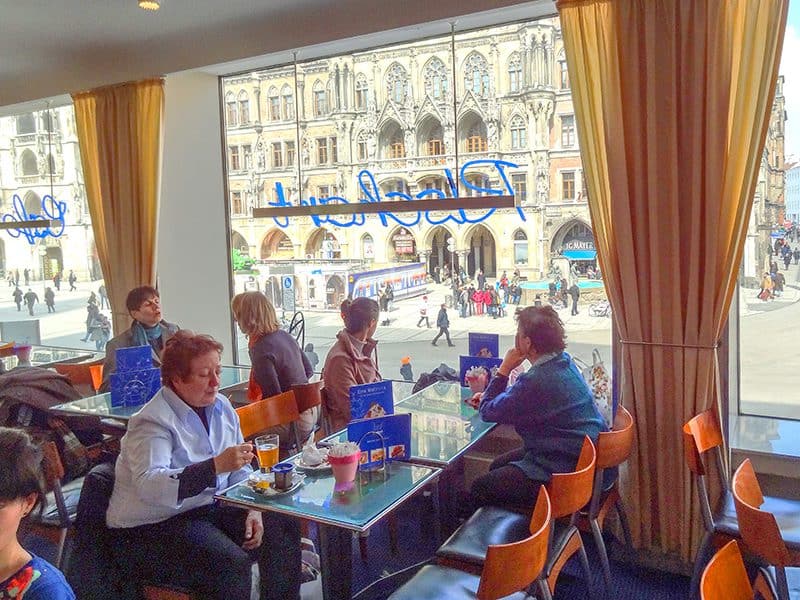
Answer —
(580, 254)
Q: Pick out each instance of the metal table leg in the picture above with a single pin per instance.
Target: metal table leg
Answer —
(336, 556)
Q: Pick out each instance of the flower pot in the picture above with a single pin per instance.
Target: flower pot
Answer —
(344, 467)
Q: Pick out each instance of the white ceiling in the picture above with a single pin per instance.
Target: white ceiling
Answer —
(54, 47)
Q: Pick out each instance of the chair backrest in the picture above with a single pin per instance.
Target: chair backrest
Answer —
(700, 434)
(759, 530)
(80, 374)
(307, 395)
(280, 409)
(614, 447)
(569, 492)
(725, 577)
(513, 567)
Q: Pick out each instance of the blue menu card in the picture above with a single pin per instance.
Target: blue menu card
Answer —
(467, 362)
(392, 443)
(484, 344)
(135, 380)
(371, 400)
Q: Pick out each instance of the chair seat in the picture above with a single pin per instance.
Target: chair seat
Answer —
(792, 578)
(787, 514)
(72, 493)
(434, 582)
(487, 526)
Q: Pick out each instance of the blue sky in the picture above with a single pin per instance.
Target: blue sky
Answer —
(790, 69)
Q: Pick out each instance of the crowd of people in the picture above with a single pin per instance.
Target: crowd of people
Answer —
(773, 281)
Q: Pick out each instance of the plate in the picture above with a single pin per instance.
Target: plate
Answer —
(320, 468)
(257, 480)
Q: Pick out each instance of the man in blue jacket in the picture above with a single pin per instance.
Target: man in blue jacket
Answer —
(550, 406)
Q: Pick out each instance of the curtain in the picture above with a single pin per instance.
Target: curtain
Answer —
(120, 137)
(672, 101)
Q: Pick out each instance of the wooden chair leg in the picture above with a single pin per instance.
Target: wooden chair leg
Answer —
(600, 544)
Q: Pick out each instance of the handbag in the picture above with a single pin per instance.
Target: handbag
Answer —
(599, 382)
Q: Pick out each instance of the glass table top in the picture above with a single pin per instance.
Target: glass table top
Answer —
(100, 405)
(443, 427)
(43, 356)
(358, 506)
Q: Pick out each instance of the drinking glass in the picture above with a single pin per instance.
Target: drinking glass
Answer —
(267, 450)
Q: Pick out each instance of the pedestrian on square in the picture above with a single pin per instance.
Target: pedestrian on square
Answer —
(477, 299)
(92, 299)
(471, 299)
(100, 331)
(30, 299)
(91, 316)
(104, 303)
(574, 293)
(765, 293)
(787, 259)
(563, 289)
(779, 280)
(443, 323)
(17, 295)
(796, 255)
(16, 277)
(57, 281)
(423, 313)
(72, 279)
(383, 301)
(481, 279)
(27, 275)
(463, 302)
(10, 279)
(50, 300)
(406, 371)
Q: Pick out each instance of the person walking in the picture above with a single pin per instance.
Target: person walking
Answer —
(10, 279)
(91, 317)
(27, 275)
(92, 299)
(17, 295)
(443, 323)
(574, 293)
(30, 299)
(50, 299)
(796, 255)
(423, 313)
(481, 279)
(104, 303)
(100, 331)
(16, 277)
(57, 281)
(406, 370)
(72, 279)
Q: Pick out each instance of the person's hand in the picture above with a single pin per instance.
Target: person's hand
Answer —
(511, 361)
(233, 458)
(253, 530)
(475, 400)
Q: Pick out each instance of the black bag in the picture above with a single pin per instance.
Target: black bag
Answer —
(440, 373)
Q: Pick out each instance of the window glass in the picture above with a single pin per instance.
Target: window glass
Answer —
(567, 131)
(41, 177)
(397, 123)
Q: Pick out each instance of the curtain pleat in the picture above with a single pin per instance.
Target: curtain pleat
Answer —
(672, 101)
(120, 139)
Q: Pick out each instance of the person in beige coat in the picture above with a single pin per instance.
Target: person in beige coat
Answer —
(352, 360)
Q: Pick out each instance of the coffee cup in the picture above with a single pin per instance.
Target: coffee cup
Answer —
(283, 475)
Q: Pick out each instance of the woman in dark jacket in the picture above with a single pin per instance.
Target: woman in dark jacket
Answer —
(277, 363)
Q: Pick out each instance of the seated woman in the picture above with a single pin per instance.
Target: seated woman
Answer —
(148, 329)
(23, 574)
(352, 360)
(181, 448)
(277, 363)
(550, 406)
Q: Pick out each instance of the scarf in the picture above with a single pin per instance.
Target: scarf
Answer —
(254, 393)
(147, 336)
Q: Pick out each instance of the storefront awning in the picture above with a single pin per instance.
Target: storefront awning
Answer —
(580, 254)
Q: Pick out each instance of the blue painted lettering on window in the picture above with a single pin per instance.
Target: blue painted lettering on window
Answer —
(52, 209)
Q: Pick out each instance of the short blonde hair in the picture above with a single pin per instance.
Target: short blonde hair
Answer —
(254, 313)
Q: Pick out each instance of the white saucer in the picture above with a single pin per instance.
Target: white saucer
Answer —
(255, 478)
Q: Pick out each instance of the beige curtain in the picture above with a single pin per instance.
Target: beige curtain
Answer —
(120, 137)
(672, 100)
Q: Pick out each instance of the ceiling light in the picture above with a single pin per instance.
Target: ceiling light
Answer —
(149, 4)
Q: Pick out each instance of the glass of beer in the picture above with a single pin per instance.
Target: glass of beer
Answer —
(267, 450)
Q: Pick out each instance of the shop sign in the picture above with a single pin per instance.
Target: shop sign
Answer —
(403, 242)
(578, 244)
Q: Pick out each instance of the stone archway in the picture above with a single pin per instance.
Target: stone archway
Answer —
(440, 256)
(401, 245)
(323, 244)
(334, 291)
(277, 245)
(482, 252)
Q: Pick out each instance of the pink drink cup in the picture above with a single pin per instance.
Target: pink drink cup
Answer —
(344, 467)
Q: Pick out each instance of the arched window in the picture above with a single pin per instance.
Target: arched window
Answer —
(514, 73)
(396, 83)
(231, 110)
(436, 79)
(320, 99)
(244, 107)
(361, 146)
(476, 74)
(26, 124)
(367, 247)
(33, 204)
(361, 92)
(274, 104)
(397, 146)
(519, 133)
(29, 163)
(520, 247)
(288, 103)
(476, 140)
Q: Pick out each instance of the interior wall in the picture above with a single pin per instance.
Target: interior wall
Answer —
(193, 273)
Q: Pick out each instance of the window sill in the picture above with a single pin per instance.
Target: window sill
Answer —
(772, 444)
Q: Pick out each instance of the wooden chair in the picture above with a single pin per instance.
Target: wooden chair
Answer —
(80, 375)
(491, 525)
(702, 435)
(308, 395)
(508, 571)
(613, 448)
(725, 577)
(257, 417)
(762, 535)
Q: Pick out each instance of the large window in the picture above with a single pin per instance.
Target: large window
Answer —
(567, 131)
(424, 120)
